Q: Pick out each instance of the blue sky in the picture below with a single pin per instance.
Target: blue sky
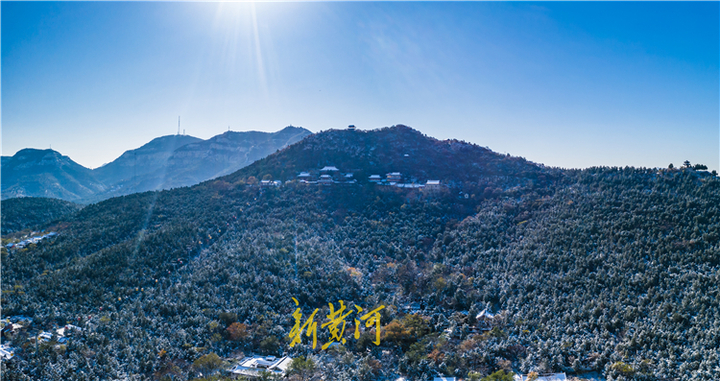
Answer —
(564, 84)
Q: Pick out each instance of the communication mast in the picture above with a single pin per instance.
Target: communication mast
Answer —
(178, 125)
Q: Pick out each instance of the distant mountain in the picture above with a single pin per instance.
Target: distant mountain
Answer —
(142, 161)
(141, 169)
(196, 161)
(166, 162)
(47, 173)
(226, 153)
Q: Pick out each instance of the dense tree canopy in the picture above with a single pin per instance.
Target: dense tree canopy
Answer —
(614, 270)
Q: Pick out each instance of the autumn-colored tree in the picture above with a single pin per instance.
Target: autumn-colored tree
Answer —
(436, 356)
(395, 332)
(237, 331)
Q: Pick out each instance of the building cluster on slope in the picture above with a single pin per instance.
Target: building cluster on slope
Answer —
(12, 326)
(28, 241)
(330, 175)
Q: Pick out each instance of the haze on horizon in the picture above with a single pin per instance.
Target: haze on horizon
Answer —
(564, 84)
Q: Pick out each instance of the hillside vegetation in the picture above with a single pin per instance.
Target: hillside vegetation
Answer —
(614, 270)
(28, 212)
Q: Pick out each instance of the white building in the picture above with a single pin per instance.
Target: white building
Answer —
(6, 353)
(67, 329)
(44, 336)
(432, 184)
(542, 377)
(485, 315)
(252, 366)
(394, 177)
(325, 179)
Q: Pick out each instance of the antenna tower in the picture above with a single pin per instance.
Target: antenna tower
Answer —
(178, 124)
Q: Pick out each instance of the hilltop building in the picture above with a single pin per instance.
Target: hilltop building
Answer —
(394, 177)
(432, 184)
(325, 180)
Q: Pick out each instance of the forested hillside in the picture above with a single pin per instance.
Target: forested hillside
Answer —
(613, 270)
(399, 148)
(28, 212)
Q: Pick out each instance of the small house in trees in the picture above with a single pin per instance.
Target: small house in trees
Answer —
(351, 127)
(304, 177)
(374, 178)
(485, 315)
(394, 177)
(67, 329)
(485, 320)
(270, 183)
(329, 169)
(6, 352)
(44, 336)
(349, 178)
(541, 377)
(413, 307)
(432, 184)
(325, 180)
(252, 366)
(440, 378)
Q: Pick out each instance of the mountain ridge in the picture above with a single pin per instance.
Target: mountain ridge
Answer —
(164, 162)
(47, 173)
